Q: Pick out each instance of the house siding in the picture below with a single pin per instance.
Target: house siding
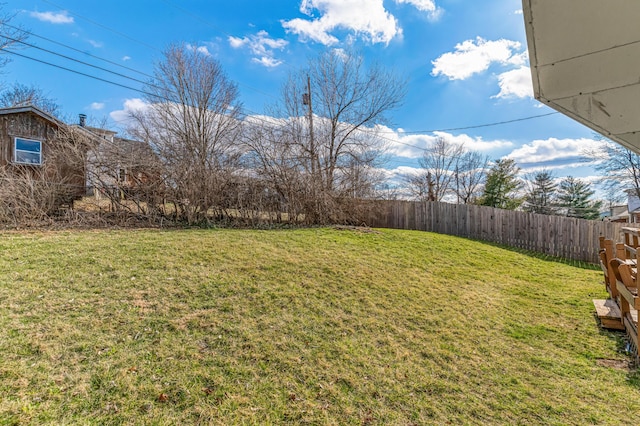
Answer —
(31, 123)
(24, 125)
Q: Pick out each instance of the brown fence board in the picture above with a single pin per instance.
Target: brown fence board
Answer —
(568, 238)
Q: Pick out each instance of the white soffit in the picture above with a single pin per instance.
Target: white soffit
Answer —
(585, 62)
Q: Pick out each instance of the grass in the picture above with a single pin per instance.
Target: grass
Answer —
(315, 326)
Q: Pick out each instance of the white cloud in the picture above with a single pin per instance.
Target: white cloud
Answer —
(261, 46)
(517, 12)
(52, 17)
(560, 167)
(554, 150)
(475, 56)
(126, 58)
(515, 83)
(396, 176)
(423, 5)
(428, 6)
(368, 19)
(236, 42)
(200, 49)
(413, 146)
(520, 59)
(267, 61)
(96, 44)
(341, 53)
(129, 106)
(406, 171)
(475, 143)
(96, 106)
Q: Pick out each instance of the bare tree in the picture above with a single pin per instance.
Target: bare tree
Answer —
(439, 163)
(128, 174)
(330, 111)
(470, 174)
(10, 36)
(278, 162)
(448, 168)
(619, 166)
(20, 95)
(420, 185)
(37, 193)
(192, 124)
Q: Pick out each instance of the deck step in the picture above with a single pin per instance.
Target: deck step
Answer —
(609, 314)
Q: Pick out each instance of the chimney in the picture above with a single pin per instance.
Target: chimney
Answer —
(83, 120)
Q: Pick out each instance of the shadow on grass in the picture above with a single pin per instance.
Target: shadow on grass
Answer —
(628, 360)
(543, 256)
(629, 363)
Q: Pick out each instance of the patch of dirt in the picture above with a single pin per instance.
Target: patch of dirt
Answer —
(141, 302)
(200, 318)
(617, 364)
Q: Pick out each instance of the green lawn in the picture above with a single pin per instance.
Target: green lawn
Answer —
(314, 326)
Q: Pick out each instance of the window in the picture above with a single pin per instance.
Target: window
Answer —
(27, 151)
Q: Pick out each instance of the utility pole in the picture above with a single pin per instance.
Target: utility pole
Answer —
(306, 100)
(430, 195)
(457, 185)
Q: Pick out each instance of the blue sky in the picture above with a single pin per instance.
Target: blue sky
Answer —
(465, 62)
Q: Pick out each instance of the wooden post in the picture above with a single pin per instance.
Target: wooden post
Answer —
(611, 254)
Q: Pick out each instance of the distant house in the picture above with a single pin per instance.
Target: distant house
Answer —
(627, 213)
(32, 146)
(121, 168)
(63, 160)
(617, 214)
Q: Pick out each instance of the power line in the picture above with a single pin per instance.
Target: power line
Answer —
(367, 131)
(101, 59)
(255, 116)
(198, 18)
(86, 75)
(95, 66)
(78, 50)
(478, 126)
(121, 34)
(104, 80)
(151, 95)
(498, 123)
(76, 60)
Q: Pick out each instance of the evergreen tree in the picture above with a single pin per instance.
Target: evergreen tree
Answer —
(575, 195)
(501, 186)
(540, 197)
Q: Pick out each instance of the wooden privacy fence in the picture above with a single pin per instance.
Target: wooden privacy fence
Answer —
(559, 236)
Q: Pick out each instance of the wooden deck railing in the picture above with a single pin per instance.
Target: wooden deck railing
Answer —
(621, 281)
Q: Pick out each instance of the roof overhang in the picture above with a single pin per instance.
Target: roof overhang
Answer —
(585, 62)
(31, 109)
